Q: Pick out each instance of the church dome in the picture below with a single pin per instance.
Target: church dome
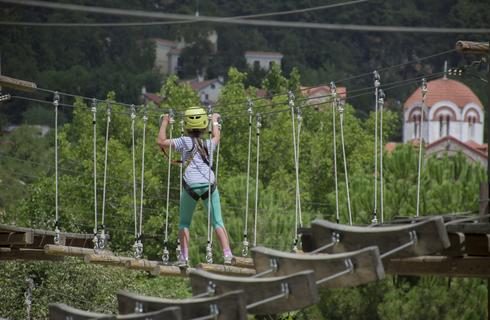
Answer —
(444, 89)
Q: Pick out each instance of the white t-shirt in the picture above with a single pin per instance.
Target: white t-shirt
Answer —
(197, 171)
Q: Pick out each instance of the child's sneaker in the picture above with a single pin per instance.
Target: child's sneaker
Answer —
(183, 262)
(227, 259)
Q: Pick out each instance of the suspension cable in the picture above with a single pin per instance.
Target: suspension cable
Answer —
(209, 247)
(258, 125)
(294, 109)
(419, 172)
(103, 238)
(381, 102)
(57, 224)
(138, 245)
(166, 253)
(95, 240)
(341, 114)
(375, 174)
(333, 90)
(245, 229)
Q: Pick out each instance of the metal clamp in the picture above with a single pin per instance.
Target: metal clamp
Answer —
(284, 294)
(138, 307)
(349, 268)
(209, 253)
(165, 254)
(413, 240)
(138, 249)
(335, 239)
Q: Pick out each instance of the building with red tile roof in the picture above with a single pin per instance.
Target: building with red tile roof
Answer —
(452, 120)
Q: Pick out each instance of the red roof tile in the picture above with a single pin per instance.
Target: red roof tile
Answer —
(468, 145)
(445, 89)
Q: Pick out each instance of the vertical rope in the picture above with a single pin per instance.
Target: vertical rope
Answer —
(298, 190)
(166, 254)
(137, 246)
(96, 218)
(56, 101)
(341, 113)
(258, 125)
(142, 187)
(209, 247)
(245, 229)
(421, 141)
(102, 240)
(333, 92)
(375, 175)
(381, 148)
(293, 109)
(178, 249)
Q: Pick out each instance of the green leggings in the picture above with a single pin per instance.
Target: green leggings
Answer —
(188, 204)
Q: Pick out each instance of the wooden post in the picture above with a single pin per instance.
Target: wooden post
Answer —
(17, 84)
(242, 262)
(483, 198)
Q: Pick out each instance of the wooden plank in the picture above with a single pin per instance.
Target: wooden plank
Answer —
(142, 264)
(242, 262)
(108, 260)
(17, 84)
(52, 249)
(467, 266)
(301, 287)
(26, 254)
(41, 237)
(60, 311)
(16, 238)
(171, 271)
(367, 266)
(431, 237)
(230, 305)
(169, 313)
(226, 270)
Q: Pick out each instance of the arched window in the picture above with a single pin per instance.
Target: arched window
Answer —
(448, 121)
(416, 125)
(471, 126)
(444, 121)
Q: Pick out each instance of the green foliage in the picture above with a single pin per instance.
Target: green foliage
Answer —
(275, 204)
(87, 287)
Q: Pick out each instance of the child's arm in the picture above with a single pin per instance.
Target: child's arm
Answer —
(162, 140)
(216, 132)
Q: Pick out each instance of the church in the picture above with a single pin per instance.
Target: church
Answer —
(452, 121)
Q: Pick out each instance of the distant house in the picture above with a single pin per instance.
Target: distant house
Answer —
(167, 55)
(207, 90)
(262, 59)
(321, 94)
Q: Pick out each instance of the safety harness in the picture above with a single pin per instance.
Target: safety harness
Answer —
(203, 152)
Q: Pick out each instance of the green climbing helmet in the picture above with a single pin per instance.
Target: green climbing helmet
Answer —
(195, 118)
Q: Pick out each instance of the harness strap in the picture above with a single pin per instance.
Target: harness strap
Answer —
(194, 194)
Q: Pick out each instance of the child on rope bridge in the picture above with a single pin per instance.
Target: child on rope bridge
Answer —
(197, 155)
